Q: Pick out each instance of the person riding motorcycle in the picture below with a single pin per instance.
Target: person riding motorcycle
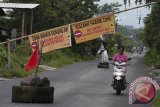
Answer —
(120, 57)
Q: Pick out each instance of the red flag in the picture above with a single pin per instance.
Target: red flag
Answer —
(33, 60)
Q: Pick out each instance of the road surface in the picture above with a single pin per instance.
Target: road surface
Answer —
(80, 84)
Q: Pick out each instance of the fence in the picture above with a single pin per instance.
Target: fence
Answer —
(9, 51)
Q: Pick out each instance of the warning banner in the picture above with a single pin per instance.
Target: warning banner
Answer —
(52, 39)
(93, 28)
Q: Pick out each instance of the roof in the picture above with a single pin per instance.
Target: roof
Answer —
(18, 5)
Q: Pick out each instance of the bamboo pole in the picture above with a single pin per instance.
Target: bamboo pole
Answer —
(9, 55)
(134, 8)
(39, 45)
(3, 43)
(23, 22)
(31, 23)
(13, 40)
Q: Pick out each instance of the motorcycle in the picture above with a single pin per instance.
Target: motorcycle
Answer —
(119, 76)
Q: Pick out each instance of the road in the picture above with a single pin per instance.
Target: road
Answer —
(80, 84)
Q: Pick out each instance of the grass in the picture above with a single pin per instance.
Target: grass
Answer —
(152, 57)
(20, 56)
(15, 73)
(156, 101)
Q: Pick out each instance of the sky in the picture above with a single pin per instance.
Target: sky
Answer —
(130, 17)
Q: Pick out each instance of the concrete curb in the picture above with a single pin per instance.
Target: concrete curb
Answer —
(47, 67)
(3, 79)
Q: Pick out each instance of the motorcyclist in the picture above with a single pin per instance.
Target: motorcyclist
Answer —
(120, 57)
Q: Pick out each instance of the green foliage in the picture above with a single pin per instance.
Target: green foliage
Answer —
(155, 25)
(117, 39)
(151, 36)
(2, 53)
(129, 44)
(139, 37)
(55, 58)
(110, 43)
(51, 13)
(64, 56)
(156, 101)
(15, 73)
(106, 8)
(3, 56)
(152, 57)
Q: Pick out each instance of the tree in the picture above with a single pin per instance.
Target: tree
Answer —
(151, 35)
(54, 13)
(106, 8)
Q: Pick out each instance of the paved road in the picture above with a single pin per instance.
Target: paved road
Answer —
(80, 84)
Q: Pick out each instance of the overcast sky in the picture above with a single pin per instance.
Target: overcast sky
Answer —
(130, 17)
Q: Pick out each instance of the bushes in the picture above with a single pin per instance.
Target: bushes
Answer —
(3, 56)
(20, 56)
(156, 101)
(14, 73)
(152, 57)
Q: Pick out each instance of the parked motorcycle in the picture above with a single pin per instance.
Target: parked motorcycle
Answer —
(119, 76)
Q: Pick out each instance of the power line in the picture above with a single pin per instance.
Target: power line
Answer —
(133, 8)
(135, 14)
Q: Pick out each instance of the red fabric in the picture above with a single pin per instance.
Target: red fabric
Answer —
(33, 60)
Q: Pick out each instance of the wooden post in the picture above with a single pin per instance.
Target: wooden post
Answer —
(23, 21)
(25, 27)
(9, 55)
(31, 21)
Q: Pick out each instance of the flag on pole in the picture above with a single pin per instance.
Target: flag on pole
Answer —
(33, 60)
